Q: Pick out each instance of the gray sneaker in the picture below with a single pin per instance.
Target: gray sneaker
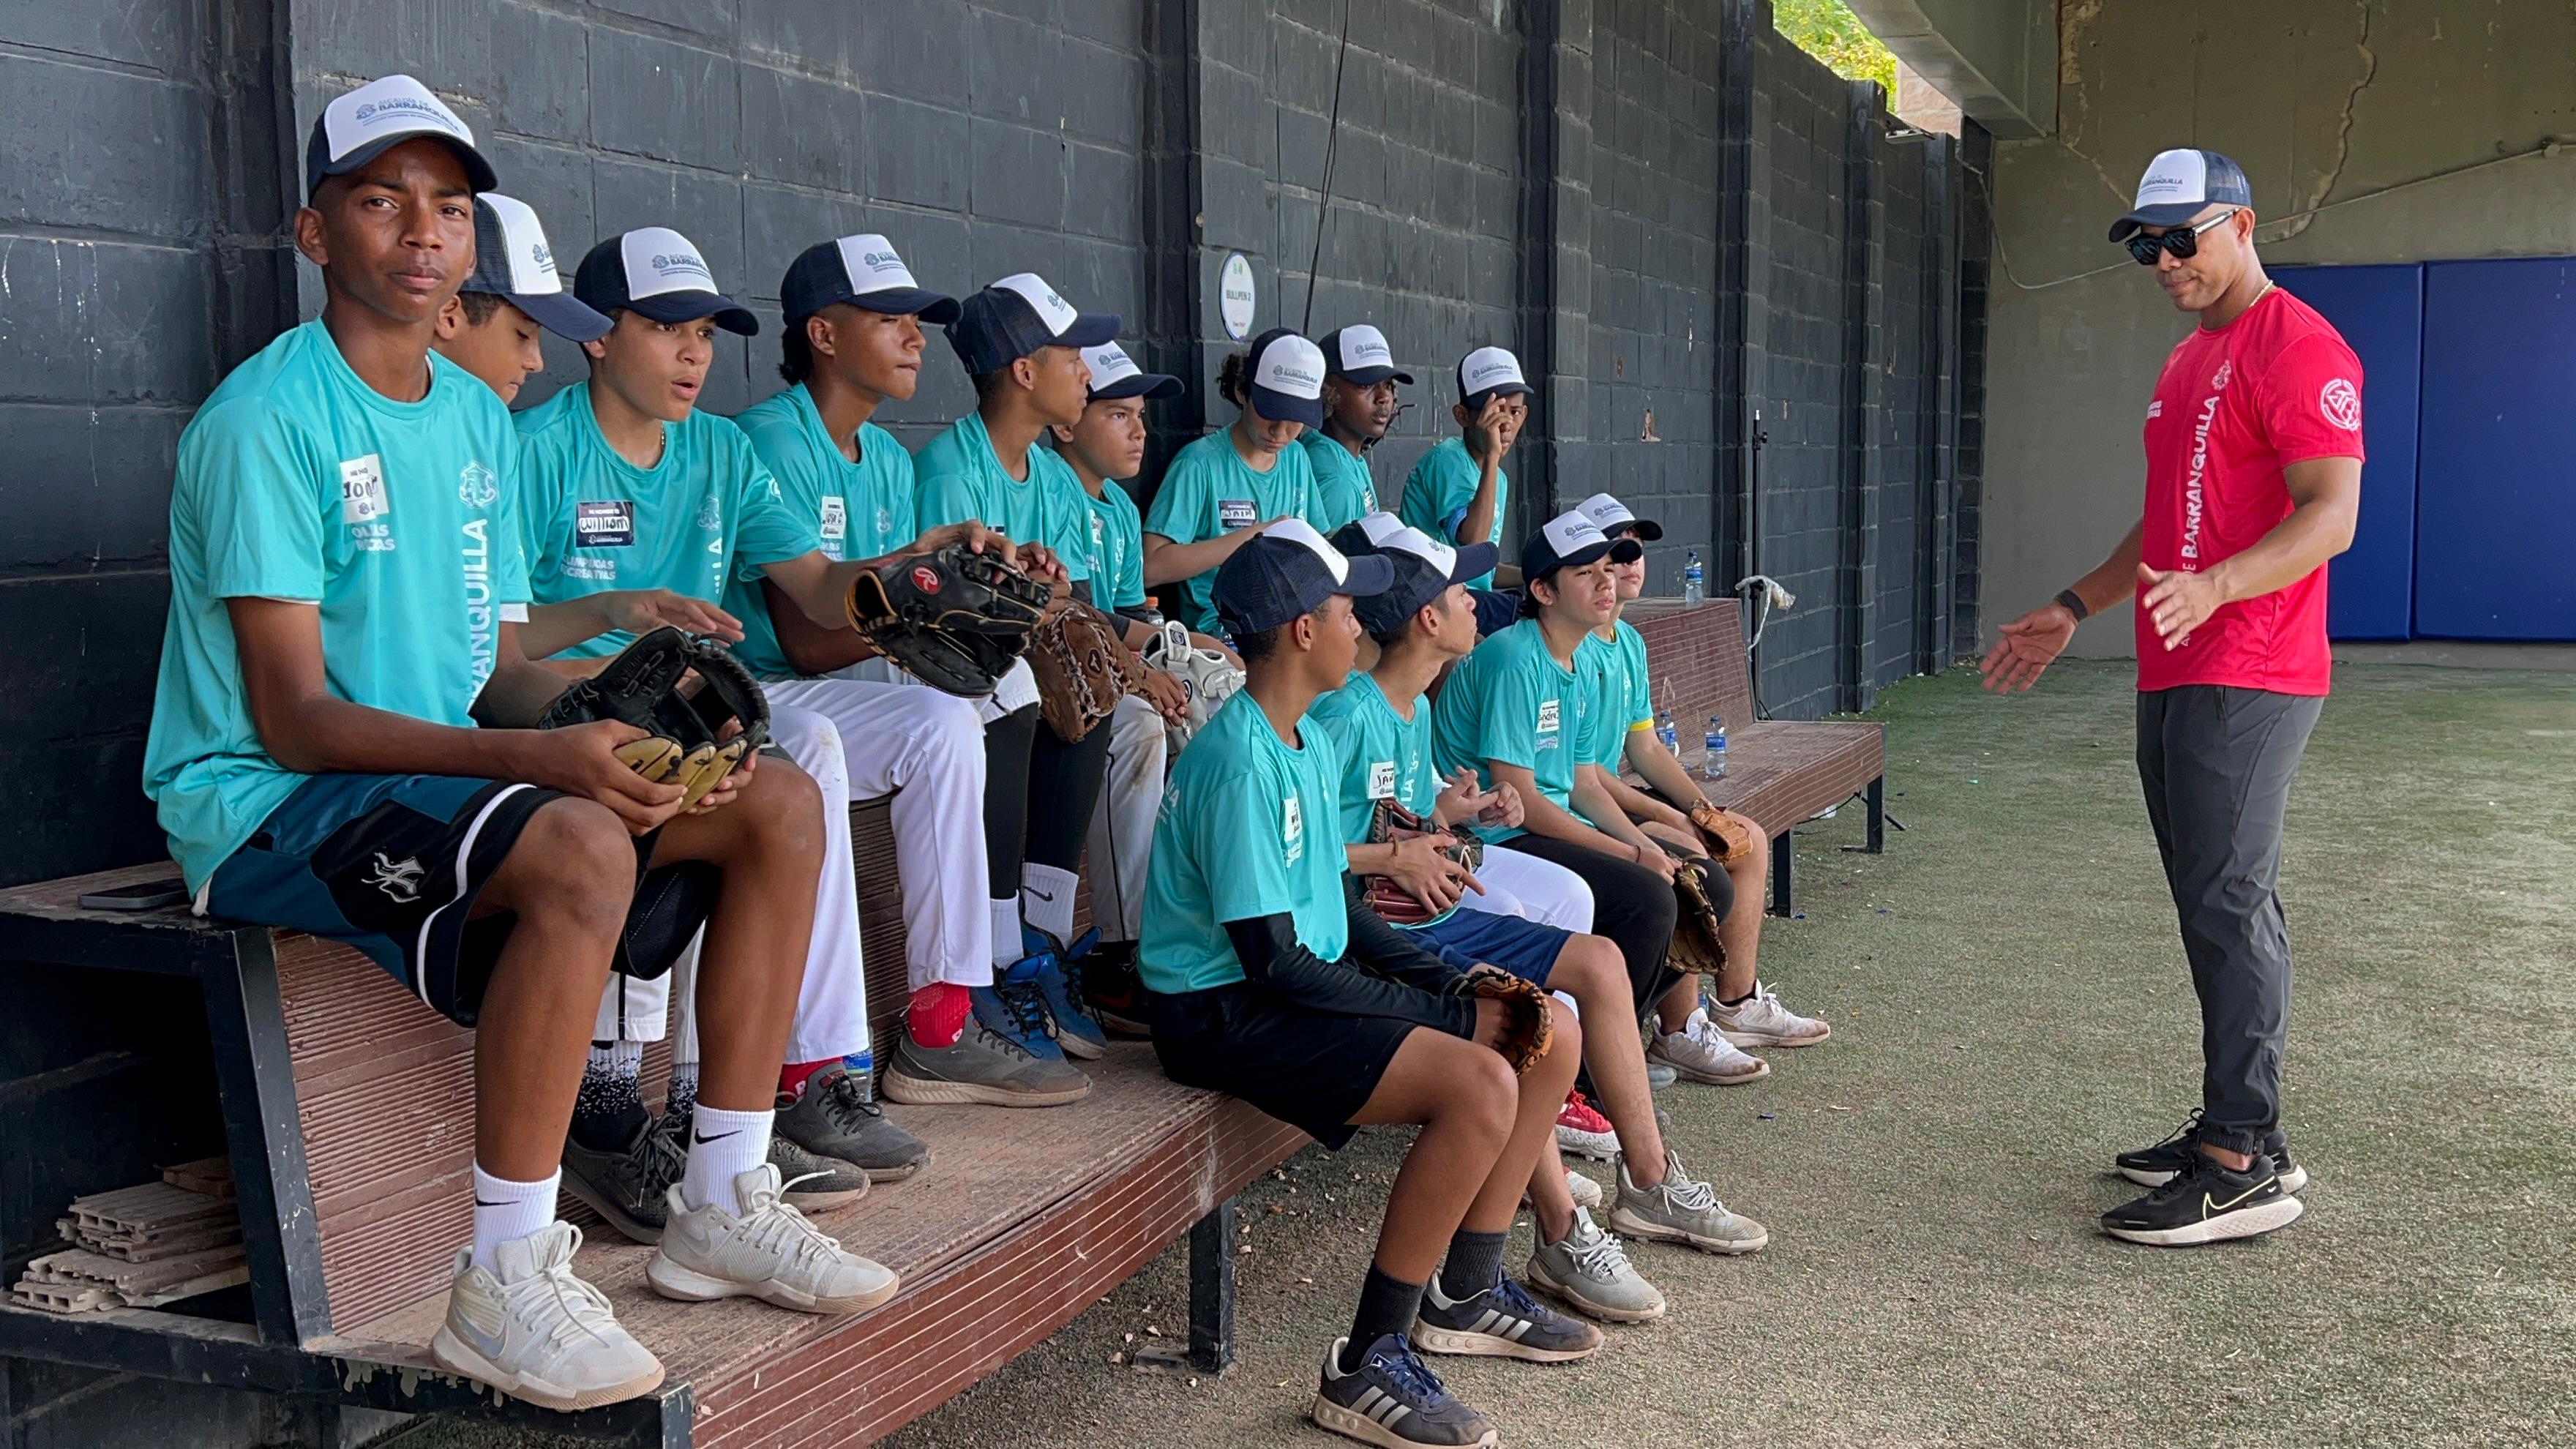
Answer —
(626, 1186)
(1591, 1271)
(1678, 1210)
(981, 1066)
(814, 1182)
(836, 1118)
(1660, 1075)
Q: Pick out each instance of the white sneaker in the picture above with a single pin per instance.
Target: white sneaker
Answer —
(771, 1253)
(1701, 1053)
(1760, 1020)
(1589, 1270)
(1680, 1210)
(536, 1332)
(1585, 1192)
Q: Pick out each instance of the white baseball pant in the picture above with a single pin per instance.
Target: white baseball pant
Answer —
(1122, 825)
(1524, 885)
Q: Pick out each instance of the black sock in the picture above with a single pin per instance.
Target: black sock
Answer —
(1386, 1306)
(611, 1104)
(1735, 1001)
(1475, 1263)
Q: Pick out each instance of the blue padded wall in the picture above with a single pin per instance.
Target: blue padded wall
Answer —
(2370, 589)
(2496, 484)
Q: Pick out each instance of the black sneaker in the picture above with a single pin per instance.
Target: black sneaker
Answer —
(1116, 990)
(1501, 1322)
(627, 1186)
(2206, 1202)
(835, 1117)
(1394, 1399)
(2155, 1166)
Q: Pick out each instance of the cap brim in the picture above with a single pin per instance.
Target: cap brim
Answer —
(727, 313)
(479, 174)
(1090, 329)
(1372, 376)
(936, 308)
(563, 314)
(2170, 214)
(1475, 560)
(1645, 528)
(1370, 574)
(1477, 401)
(1151, 386)
(1280, 407)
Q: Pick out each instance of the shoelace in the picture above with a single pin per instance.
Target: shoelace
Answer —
(843, 1103)
(664, 1160)
(1516, 1298)
(1410, 1374)
(585, 1308)
(1599, 1256)
(773, 1224)
(998, 1042)
(2188, 1132)
(1027, 1004)
(1689, 1196)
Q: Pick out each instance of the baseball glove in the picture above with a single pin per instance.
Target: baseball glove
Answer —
(1528, 1029)
(1695, 940)
(1728, 839)
(1083, 669)
(955, 618)
(1390, 822)
(685, 741)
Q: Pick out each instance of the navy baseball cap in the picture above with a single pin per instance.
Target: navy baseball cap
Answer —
(1486, 372)
(1288, 570)
(2179, 185)
(865, 272)
(1424, 569)
(1286, 378)
(1115, 375)
(658, 272)
(1380, 531)
(1015, 317)
(1359, 353)
(365, 123)
(513, 263)
(1610, 515)
(1571, 540)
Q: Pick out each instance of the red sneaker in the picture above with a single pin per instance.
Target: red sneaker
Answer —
(1585, 1132)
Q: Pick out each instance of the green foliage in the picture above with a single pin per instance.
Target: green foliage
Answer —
(1827, 30)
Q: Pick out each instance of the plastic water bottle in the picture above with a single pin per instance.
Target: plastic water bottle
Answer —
(1668, 732)
(1694, 587)
(1712, 766)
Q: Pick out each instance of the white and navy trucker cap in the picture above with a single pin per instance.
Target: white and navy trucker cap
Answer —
(1015, 317)
(865, 272)
(2179, 185)
(660, 273)
(365, 123)
(1571, 540)
(1359, 353)
(1115, 375)
(1610, 515)
(1287, 570)
(1286, 378)
(1486, 372)
(513, 263)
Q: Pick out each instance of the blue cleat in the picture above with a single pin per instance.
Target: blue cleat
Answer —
(1014, 1009)
(1058, 977)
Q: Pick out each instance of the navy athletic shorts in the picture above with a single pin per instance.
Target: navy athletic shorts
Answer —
(1528, 949)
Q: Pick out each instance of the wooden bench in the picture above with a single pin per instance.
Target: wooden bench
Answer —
(1779, 773)
(348, 1115)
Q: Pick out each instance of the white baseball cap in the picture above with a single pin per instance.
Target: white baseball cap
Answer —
(660, 273)
(1487, 371)
(1115, 375)
(1287, 378)
(865, 271)
(512, 262)
(1610, 515)
(363, 124)
(1359, 353)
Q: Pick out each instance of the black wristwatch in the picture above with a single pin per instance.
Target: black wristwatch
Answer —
(2074, 603)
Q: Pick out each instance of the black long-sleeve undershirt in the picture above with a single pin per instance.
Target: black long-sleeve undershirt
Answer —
(1400, 979)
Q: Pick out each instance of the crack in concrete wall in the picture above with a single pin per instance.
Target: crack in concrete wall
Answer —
(2343, 129)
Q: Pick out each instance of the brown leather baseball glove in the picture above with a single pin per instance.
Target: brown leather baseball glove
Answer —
(1695, 940)
(1390, 822)
(1729, 839)
(1083, 669)
(1528, 1030)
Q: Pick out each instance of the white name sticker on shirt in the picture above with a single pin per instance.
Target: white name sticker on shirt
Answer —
(1231, 513)
(609, 524)
(1381, 780)
(362, 490)
(836, 520)
(1292, 829)
(1547, 716)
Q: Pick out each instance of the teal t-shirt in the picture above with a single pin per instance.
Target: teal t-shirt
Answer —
(1511, 701)
(1209, 491)
(1384, 755)
(298, 481)
(1626, 704)
(1117, 548)
(961, 479)
(595, 522)
(1438, 490)
(1246, 829)
(856, 510)
(1343, 488)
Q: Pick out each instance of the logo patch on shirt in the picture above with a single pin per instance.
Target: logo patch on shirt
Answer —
(609, 524)
(2341, 404)
(711, 514)
(1234, 513)
(477, 486)
(1381, 784)
(362, 490)
(1292, 829)
(2155, 409)
(836, 520)
(2226, 375)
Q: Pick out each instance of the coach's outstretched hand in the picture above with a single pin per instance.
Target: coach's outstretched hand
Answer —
(2029, 645)
(582, 760)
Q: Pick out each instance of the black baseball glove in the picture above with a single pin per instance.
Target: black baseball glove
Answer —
(687, 742)
(955, 618)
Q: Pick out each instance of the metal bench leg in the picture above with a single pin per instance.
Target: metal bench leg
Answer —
(1783, 867)
(264, 1136)
(1878, 816)
(1212, 1290)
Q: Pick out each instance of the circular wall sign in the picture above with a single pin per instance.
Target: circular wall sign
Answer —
(1236, 294)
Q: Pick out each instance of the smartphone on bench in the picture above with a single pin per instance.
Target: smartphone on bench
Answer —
(150, 895)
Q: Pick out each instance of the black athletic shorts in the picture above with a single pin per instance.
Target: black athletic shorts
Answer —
(1310, 1069)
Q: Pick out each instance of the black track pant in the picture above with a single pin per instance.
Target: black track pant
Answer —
(1038, 796)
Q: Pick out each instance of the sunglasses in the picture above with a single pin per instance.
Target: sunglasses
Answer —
(2184, 244)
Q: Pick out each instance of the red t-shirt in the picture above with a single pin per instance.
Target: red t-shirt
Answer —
(2234, 407)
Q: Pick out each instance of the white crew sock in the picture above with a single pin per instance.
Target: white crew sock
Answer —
(1046, 894)
(722, 1146)
(1006, 934)
(505, 1211)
